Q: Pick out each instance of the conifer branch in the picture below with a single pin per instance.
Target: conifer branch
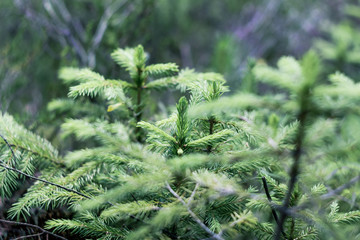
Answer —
(193, 215)
(42, 180)
(295, 168)
(33, 152)
(310, 70)
(2, 164)
(31, 226)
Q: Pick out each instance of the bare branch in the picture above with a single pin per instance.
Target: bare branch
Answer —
(101, 28)
(68, 18)
(103, 24)
(29, 236)
(341, 188)
(54, 27)
(32, 226)
(41, 20)
(297, 153)
(193, 215)
(192, 194)
(270, 200)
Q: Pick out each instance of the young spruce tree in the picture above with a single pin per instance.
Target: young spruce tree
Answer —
(236, 167)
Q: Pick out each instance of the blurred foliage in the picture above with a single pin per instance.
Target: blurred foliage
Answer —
(340, 46)
(38, 37)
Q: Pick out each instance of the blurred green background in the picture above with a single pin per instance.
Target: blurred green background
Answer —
(40, 36)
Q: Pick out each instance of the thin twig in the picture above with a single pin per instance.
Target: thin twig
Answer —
(297, 152)
(231, 225)
(193, 215)
(103, 23)
(29, 236)
(192, 194)
(341, 188)
(270, 200)
(32, 226)
(101, 28)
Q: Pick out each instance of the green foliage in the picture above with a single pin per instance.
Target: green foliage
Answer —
(30, 152)
(218, 167)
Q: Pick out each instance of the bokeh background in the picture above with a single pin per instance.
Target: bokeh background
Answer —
(40, 36)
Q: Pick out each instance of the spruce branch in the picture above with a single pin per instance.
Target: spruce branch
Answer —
(310, 70)
(59, 186)
(2, 164)
(193, 215)
(31, 226)
(295, 169)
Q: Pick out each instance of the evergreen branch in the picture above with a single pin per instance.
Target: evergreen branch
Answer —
(193, 215)
(294, 171)
(310, 70)
(9, 146)
(2, 164)
(32, 226)
(33, 152)
(125, 58)
(161, 83)
(74, 75)
(348, 218)
(25, 139)
(240, 219)
(42, 180)
(93, 88)
(157, 131)
(210, 139)
(269, 198)
(138, 110)
(161, 70)
(95, 228)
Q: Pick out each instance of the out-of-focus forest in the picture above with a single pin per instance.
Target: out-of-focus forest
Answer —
(38, 37)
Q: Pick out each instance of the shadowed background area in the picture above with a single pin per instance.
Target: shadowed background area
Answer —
(38, 37)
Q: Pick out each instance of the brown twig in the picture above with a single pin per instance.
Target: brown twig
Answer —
(29, 236)
(193, 215)
(270, 200)
(341, 188)
(32, 226)
(297, 152)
